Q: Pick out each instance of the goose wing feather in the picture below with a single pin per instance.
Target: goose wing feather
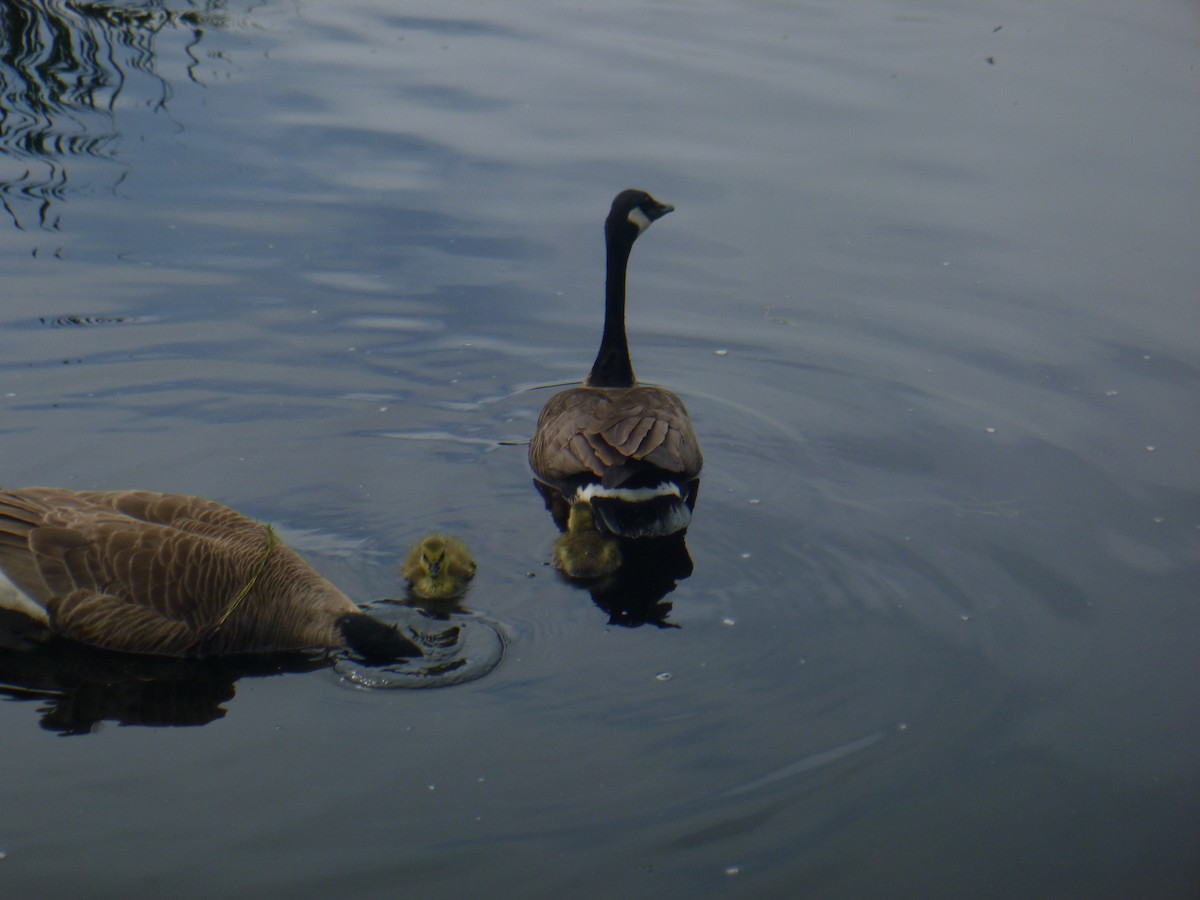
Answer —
(180, 576)
(600, 431)
(113, 623)
(173, 554)
(151, 573)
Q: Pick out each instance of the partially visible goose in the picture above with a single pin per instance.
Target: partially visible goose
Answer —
(628, 449)
(170, 575)
(438, 567)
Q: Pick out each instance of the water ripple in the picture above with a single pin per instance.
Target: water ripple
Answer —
(64, 72)
(458, 647)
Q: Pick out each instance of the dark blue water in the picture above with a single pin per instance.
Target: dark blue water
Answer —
(930, 294)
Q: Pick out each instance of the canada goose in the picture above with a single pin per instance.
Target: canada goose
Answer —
(170, 575)
(438, 567)
(626, 448)
(583, 552)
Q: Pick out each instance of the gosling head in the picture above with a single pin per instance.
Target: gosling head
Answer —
(631, 214)
(438, 567)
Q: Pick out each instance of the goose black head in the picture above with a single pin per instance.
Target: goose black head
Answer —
(631, 214)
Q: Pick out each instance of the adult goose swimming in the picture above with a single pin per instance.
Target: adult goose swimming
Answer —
(170, 575)
(626, 448)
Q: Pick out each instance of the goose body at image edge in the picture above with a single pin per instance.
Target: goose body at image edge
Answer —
(171, 575)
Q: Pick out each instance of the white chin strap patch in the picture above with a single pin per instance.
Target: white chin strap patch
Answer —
(640, 220)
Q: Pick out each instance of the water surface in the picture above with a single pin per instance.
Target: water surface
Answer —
(930, 296)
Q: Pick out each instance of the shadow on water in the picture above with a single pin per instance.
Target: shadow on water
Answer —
(65, 70)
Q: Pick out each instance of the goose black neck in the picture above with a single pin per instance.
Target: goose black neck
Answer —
(375, 641)
(613, 367)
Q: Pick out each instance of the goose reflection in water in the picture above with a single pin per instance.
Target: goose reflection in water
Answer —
(77, 687)
(65, 70)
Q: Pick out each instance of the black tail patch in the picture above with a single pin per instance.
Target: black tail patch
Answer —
(659, 517)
